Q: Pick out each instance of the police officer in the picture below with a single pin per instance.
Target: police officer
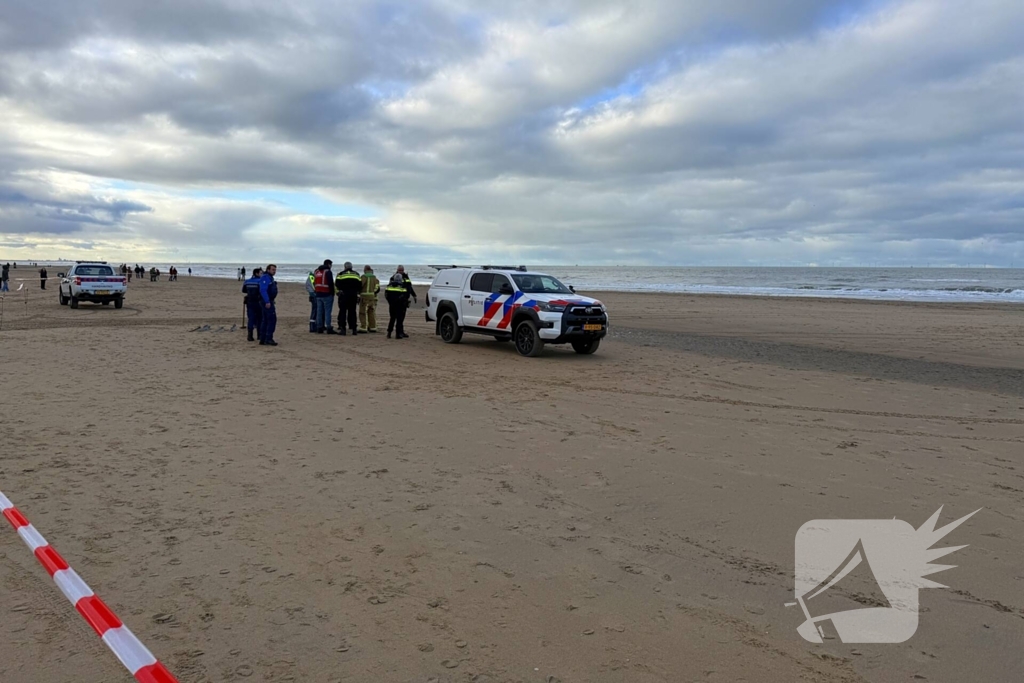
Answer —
(323, 285)
(268, 293)
(253, 305)
(398, 291)
(369, 288)
(348, 284)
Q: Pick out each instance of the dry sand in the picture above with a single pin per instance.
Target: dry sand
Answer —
(359, 509)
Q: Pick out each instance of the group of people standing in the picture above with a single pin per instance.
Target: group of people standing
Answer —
(357, 301)
(356, 292)
(260, 305)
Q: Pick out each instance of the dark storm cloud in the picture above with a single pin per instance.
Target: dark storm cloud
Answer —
(585, 131)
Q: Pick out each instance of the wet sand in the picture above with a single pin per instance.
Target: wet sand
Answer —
(354, 509)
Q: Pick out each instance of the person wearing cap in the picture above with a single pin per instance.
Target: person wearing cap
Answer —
(349, 286)
(398, 291)
(369, 288)
(323, 285)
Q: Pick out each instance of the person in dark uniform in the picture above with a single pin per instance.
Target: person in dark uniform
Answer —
(348, 284)
(268, 293)
(42, 278)
(253, 303)
(397, 293)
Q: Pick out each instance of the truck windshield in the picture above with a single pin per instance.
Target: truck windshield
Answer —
(540, 284)
(94, 270)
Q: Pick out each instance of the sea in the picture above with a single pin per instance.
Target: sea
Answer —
(1005, 285)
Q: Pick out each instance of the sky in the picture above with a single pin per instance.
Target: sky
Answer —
(661, 132)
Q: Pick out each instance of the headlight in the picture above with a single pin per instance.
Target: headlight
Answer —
(549, 308)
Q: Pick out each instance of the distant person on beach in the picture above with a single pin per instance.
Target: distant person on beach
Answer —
(253, 307)
(311, 290)
(323, 286)
(5, 275)
(190, 271)
(348, 285)
(397, 293)
(42, 278)
(241, 273)
(369, 288)
(268, 294)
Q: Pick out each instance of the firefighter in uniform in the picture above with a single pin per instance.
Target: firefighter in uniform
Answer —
(268, 294)
(253, 306)
(349, 286)
(369, 289)
(398, 291)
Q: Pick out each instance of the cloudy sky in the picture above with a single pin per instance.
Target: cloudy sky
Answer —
(565, 131)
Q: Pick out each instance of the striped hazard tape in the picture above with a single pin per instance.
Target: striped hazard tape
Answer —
(121, 641)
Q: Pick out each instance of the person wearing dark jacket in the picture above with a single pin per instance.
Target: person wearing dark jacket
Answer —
(42, 278)
(397, 293)
(268, 294)
(253, 303)
(323, 287)
(348, 285)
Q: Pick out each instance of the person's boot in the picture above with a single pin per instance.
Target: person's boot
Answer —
(389, 334)
(250, 336)
(331, 330)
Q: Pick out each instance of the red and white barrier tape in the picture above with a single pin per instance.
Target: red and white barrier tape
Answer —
(121, 641)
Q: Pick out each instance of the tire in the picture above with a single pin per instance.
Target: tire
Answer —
(528, 341)
(74, 301)
(119, 302)
(61, 298)
(586, 347)
(449, 329)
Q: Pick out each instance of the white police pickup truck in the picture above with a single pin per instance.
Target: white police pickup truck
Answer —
(93, 281)
(514, 304)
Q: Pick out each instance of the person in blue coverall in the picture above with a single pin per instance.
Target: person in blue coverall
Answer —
(253, 303)
(268, 293)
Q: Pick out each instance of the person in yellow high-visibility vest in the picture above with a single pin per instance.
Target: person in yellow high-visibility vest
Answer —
(369, 289)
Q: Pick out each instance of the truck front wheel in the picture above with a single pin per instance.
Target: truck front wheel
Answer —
(61, 298)
(528, 341)
(449, 328)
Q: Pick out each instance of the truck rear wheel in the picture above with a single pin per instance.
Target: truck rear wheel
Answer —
(586, 346)
(449, 329)
(74, 301)
(119, 302)
(528, 341)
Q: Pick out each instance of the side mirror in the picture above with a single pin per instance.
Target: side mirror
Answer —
(572, 289)
(505, 288)
(60, 275)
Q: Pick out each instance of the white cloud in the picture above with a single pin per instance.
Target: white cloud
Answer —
(595, 131)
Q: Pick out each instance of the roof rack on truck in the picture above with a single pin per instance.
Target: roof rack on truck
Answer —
(519, 268)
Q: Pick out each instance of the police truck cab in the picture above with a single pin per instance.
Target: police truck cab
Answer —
(514, 304)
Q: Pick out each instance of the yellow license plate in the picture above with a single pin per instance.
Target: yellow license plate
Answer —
(593, 328)
(102, 292)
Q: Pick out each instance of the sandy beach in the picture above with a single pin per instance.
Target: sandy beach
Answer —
(363, 509)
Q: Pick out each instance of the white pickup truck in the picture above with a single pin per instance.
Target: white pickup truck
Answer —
(514, 304)
(93, 281)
